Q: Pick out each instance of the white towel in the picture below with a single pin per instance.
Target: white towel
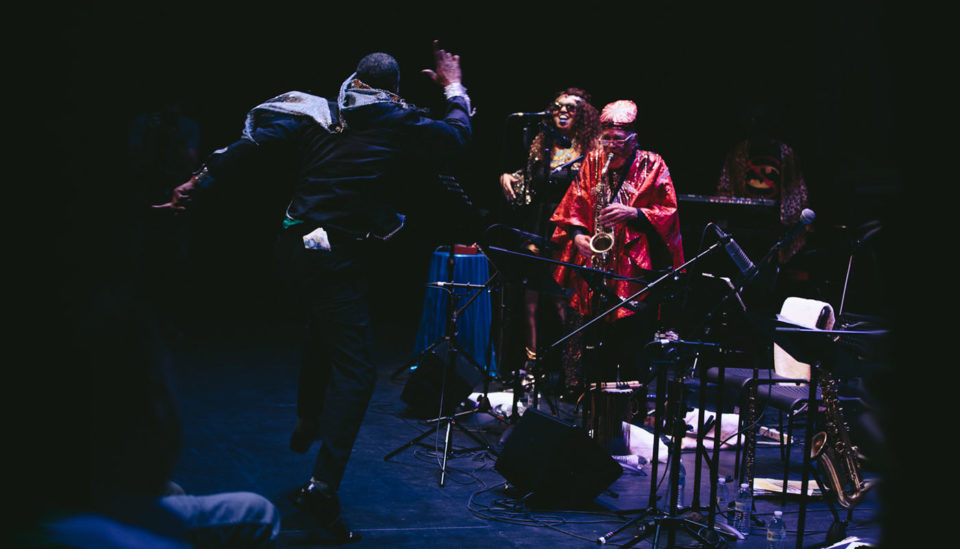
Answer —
(804, 312)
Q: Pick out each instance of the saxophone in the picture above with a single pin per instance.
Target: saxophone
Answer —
(602, 240)
(522, 190)
(834, 451)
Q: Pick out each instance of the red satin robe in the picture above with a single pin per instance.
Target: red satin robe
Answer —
(648, 187)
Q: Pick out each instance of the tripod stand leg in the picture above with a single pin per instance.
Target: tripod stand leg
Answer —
(446, 454)
(409, 444)
(674, 523)
(656, 536)
(694, 528)
(417, 359)
(606, 537)
(483, 444)
(642, 536)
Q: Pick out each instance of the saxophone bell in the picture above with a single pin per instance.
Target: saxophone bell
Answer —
(601, 242)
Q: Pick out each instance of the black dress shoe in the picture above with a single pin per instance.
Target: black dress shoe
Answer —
(303, 435)
(323, 505)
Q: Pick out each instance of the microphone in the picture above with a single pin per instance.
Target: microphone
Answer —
(735, 252)
(807, 216)
(540, 114)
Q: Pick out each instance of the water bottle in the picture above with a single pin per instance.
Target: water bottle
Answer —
(741, 513)
(723, 501)
(776, 531)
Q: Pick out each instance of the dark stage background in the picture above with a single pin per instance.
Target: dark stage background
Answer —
(833, 73)
(691, 70)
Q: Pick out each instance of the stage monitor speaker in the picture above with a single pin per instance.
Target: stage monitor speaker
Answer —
(556, 461)
(422, 393)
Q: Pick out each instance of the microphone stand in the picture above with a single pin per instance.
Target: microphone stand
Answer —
(555, 136)
(525, 137)
(751, 273)
(673, 274)
(592, 275)
(565, 164)
(747, 275)
(533, 123)
(854, 248)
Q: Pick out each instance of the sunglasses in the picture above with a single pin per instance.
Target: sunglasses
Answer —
(612, 141)
(557, 107)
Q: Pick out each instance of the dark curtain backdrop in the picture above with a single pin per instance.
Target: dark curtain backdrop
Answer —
(692, 70)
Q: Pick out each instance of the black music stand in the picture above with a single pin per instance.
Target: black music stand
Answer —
(700, 307)
(454, 310)
(463, 207)
(453, 349)
(670, 415)
(655, 520)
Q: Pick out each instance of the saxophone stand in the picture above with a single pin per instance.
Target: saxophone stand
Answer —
(816, 348)
(448, 421)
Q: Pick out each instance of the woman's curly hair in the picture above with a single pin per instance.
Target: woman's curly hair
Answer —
(586, 128)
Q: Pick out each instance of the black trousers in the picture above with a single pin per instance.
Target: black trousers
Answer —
(336, 375)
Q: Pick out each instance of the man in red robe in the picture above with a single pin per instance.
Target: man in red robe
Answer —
(642, 217)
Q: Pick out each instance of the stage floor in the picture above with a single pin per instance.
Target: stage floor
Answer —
(236, 384)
